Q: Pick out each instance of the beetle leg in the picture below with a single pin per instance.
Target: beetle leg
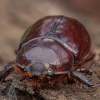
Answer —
(56, 79)
(90, 70)
(8, 69)
(87, 59)
(81, 78)
(94, 64)
(86, 71)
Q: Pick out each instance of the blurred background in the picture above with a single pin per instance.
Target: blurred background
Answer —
(17, 15)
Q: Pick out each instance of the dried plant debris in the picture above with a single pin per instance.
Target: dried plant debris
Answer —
(9, 92)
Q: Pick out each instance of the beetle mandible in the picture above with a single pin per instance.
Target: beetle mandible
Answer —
(53, 48)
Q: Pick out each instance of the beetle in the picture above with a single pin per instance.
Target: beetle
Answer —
(52, 49)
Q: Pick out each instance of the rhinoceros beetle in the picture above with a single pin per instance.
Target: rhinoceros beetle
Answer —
(52, 49)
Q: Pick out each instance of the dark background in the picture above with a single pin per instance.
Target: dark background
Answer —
(17, 15)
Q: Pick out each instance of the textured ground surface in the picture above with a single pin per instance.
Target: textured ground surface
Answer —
(16, 16)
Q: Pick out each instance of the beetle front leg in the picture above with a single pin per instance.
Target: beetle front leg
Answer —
(89, 58)
(8, 69)
(78, 74)
(81, 78)
(90, 70)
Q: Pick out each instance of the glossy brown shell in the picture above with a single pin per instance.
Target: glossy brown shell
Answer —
(67, 34)
(72, 34)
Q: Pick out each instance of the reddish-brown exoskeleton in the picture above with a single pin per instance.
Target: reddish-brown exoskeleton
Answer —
(52, 49)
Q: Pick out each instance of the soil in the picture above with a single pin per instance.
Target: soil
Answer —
(16, 16)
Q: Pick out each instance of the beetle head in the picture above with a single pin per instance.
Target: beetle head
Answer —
(38, 68)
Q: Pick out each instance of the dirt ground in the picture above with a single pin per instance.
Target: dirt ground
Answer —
(16, 16)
